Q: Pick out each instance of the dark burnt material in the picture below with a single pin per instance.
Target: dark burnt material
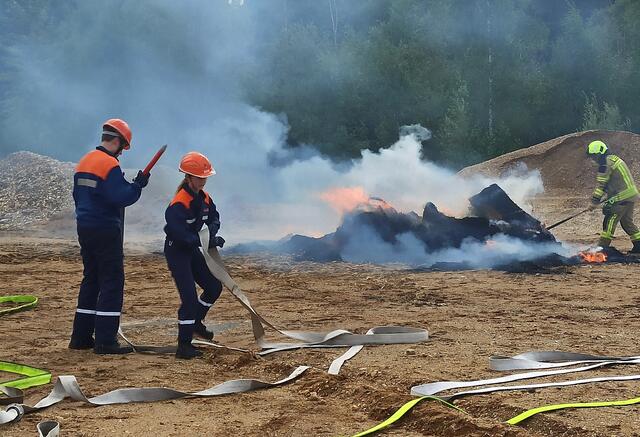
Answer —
(495, 213)
(492, 213)
(494, 204)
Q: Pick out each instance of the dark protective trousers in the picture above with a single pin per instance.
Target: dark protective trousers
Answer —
(102, 288)
(188, 267)
(619, 212)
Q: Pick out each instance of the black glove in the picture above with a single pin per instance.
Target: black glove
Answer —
(214, 226)
(216, 241)
(607, 209)
(141, 179)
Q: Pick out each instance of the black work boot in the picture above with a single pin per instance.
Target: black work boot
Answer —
(201, 331)
(81, 343)
(112, 349)
(186, 351)
(636, 247)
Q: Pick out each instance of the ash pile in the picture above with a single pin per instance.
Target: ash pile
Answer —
(496, 234)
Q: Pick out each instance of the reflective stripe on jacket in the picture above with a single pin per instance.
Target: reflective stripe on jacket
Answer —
(100, 190)
(186, 215)
(614, 179)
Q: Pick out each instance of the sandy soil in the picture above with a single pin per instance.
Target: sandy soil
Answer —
(470, 315)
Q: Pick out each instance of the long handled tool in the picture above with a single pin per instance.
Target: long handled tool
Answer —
(146, 171)
(155, 159)
(573, 216)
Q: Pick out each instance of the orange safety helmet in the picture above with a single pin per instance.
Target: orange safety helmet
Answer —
(121, 127)
(196, 164)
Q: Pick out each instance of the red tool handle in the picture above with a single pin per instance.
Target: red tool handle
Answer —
(153, 161)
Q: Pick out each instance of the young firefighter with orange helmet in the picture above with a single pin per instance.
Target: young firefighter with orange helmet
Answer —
(190, 209)
(101, 193)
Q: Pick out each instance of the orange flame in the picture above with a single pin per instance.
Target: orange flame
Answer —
(593, 257)
(345, 199)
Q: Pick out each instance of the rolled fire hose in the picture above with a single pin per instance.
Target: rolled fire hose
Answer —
(12, 390)
(67, 386)
(24, 302)
(336, 338)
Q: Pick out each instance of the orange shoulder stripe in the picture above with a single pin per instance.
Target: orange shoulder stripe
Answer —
(207, 198)
(182, 197)
(97, 163)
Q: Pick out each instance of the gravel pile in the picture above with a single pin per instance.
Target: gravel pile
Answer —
(33, 189)
(36, 192)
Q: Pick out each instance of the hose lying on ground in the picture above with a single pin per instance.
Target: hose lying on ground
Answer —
(24, 302)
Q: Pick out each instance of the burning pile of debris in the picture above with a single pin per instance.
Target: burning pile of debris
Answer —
(496, 234)
(33, 188)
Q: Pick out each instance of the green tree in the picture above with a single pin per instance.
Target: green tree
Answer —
(602, 115)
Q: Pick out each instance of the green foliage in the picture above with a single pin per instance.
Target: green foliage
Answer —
(486, 76)
(602, 116)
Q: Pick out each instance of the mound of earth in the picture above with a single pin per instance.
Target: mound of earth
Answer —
(562, 161)
(568, 178)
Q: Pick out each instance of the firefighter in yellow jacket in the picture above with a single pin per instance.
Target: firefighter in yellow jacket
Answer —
(614, 179)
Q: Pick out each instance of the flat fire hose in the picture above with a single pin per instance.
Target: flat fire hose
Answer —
(548, 360)
(67, 386)
(12, 390)
(527, 360)
(31, 376)
(336, 338)
(404, 409)
(431, 389)
(532, 412)
(48, 428)
(172, 349)
(24, 302)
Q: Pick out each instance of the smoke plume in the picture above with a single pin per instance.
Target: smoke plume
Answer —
(101, 62)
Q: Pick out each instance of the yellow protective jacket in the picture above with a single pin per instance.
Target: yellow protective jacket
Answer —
(614, 179)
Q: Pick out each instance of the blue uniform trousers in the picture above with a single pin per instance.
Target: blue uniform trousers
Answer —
(102, 288)
(188, 267)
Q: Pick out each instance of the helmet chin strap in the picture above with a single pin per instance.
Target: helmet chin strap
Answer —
(120, 146)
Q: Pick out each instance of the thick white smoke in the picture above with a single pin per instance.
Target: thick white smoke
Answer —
(88, 71)
(366, 246)
(262, 201)
(258, 200)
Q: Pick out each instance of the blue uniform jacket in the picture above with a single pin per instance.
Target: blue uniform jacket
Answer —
(100, 190)
(186, 215)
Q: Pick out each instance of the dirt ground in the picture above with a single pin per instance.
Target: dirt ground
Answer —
(470, 316)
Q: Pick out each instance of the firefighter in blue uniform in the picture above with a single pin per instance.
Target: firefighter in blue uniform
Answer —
(101, 193)
(190, 209)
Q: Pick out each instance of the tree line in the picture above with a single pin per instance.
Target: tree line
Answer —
(485, 76)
